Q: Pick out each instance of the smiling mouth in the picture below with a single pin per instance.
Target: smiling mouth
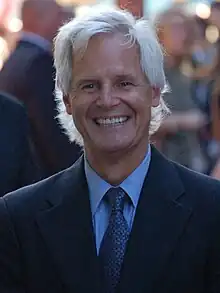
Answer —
(111, 121)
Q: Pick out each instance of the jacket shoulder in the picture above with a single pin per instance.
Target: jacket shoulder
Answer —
(29, 199)
(200, 189)
(45, 193)
(23, 57)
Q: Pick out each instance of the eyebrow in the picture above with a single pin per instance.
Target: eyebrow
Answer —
(122, 76)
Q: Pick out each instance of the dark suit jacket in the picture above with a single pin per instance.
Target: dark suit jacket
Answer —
(47, 242)
(17, 168)
(29, 76)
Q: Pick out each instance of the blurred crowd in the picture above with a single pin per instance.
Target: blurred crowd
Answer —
(190, 134)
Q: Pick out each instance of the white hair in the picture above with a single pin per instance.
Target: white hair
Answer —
(72, 41)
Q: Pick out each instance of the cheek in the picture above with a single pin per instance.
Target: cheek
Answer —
(141, 105)
(144, 106)
(80, 108)
(77, 117)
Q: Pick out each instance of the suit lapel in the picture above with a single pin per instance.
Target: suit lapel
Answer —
(158, 224)
(68, 232)
(66, 227)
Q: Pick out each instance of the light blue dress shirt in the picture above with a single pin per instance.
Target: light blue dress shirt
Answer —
(132, 185)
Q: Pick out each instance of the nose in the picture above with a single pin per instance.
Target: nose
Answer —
(107, 97)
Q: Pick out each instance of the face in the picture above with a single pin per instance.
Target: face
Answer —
(111, 100)
(175, 40)
(57, 17)
(61, 16)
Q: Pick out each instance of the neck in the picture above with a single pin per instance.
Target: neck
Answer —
(114, 168)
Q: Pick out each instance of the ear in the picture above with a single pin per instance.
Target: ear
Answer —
(156, 92)
(68, 104)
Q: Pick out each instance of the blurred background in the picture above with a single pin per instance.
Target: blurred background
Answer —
(189, 31)
(11, 23)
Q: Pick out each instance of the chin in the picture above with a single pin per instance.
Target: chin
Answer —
(112, 147)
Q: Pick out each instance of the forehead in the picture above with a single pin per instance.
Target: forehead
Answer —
(108, 54)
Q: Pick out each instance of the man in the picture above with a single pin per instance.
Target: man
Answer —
(17, 165)
(29, 76)
(123, 218)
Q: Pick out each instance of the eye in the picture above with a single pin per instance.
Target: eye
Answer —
(125, 84)
(89, 87)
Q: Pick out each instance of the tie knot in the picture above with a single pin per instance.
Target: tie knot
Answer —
(116, 198)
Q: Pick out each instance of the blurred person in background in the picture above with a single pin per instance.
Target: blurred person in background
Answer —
(215, 127)
(215, 122)
(206, 89)
(29, 75)
(203, 53)
(17, 164)
(204, 57)
(178, 132)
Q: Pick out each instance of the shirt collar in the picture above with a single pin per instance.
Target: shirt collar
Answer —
(132, 185)
(37, 40)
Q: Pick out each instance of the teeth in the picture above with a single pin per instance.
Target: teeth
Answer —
(111, 121)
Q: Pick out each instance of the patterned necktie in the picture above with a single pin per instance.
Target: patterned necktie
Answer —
(114, 242)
